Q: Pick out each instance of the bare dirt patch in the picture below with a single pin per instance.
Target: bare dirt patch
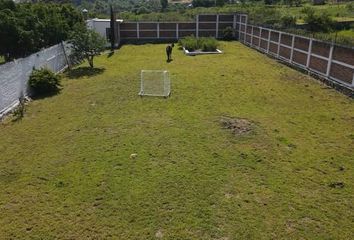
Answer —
(238, 126)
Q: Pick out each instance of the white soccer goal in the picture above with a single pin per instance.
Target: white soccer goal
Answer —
(155, 83)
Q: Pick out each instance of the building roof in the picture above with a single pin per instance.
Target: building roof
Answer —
(104, 20)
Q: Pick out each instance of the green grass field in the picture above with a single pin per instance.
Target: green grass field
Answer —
(66, 172)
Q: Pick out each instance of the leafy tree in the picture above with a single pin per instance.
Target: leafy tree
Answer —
(26, 28)
(86, 43)
(220, 3)
(164, 4)
(10, 35)
(317, 22)
(203, 3)
(287, 21)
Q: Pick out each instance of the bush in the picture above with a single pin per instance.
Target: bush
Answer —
(192, 43)
(228, 34)
(287, 21)
(317, 22)
(44, 81)
(350, 7)
(208, 44)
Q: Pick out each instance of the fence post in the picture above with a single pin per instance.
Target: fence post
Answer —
(234, 25)
(177, 30)
(239, 30)
(292, 48)
(309, 54)
(137, 30)
(329, 63)
(197, 27)
(259, 37)
(217, 26)
(158, 30)
(268, 43)
(252, 36)
(66, 57)
(279, 42)
(353, 80)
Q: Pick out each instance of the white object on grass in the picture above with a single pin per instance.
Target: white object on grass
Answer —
(155, 83)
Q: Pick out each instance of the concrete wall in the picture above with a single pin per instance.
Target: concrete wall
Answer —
(206, 25)
(331, 61)
(14, 75)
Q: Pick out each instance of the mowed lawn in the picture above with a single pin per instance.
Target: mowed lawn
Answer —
(66, 172)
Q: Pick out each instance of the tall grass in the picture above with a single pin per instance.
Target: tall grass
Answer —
(206, 44)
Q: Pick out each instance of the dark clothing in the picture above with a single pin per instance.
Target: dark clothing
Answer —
(169, 52)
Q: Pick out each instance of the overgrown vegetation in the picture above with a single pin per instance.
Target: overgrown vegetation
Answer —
(67, 162)
(228, 33)
(44, 82)
(27, 27)
(19, 111)
(205, 44)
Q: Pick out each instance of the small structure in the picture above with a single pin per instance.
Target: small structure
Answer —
(102, 27)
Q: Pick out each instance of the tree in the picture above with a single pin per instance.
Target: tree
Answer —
(26, 28)
(112, 29)
(164, 4)
(220, 3)
(317, 22)
(86, 43)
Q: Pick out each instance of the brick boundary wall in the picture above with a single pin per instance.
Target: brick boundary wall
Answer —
(206, 25)
(330, 62)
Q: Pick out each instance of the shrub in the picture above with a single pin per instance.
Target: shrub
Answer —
(208, 44)
(350, 7)
(44, 81)
(317, 22)
(192, 43)
(19, 111)
(228, 34)
(287, 21)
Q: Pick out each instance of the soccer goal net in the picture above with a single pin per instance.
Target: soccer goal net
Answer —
(155, 83)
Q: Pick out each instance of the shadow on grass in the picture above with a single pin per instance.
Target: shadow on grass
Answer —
(84, 72)
(110, 54)
(52, 93)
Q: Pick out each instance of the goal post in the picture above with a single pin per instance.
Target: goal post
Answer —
(155, 83)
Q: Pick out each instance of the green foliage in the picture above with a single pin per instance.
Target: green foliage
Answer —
(26, 28)
(208, 44)
(190, 43)
(203, 3)
(86, 43)
(164, 4)
(43, 82)
(350, 7)
(20, 109)
(205, 44)
(287, 21)
(317, 22)
(228, 34)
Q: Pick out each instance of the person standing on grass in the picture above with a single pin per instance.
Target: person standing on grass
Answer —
(169, 49)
